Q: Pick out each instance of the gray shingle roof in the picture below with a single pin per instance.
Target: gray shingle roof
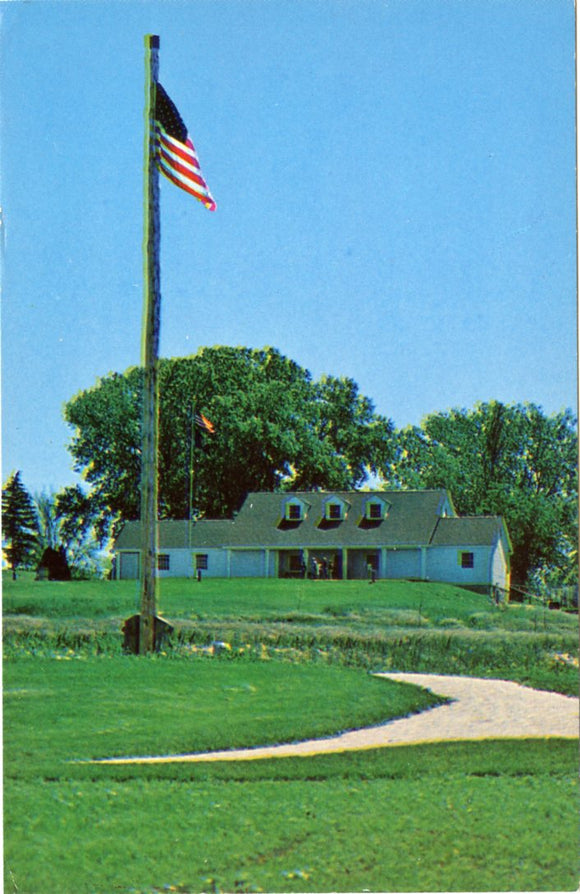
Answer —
(413, 518)
(481, 530)
(177, 534)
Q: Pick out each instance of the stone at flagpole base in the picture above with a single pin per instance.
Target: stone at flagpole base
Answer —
(162, 630)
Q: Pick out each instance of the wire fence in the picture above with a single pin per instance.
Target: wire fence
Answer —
(557, 597)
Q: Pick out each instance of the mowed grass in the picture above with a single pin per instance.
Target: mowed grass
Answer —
(487, 816)
(396, 602)
(97, 708)
(391, 625)
(416, 818)
(333, 831)
(419, 818)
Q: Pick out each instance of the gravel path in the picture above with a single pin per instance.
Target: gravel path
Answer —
(482, 709)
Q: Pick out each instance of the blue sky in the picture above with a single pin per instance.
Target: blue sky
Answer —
(395, 185)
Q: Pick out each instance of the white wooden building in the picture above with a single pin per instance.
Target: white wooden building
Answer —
(342, 535)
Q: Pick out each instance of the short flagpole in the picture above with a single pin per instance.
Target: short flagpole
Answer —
(150, 356)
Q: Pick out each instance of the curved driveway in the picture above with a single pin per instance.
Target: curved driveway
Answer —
(481, 709)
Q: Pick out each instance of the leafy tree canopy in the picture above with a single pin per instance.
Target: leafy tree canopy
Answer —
(275, 428)
(19, 524)
(498, 459)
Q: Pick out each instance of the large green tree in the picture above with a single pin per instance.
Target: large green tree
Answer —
(19, 524)
(275, 428)
(512, 460)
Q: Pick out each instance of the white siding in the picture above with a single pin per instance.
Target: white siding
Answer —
(216, 562)
(402, 563)
(271, 563)
(182, 563)
(443, 564)
(247, 563)
(128, 566)
(499, 572)
(179, 563)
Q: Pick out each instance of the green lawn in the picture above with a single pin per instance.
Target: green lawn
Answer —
(397, 603)
(396, 625)
(433, 833)
(408, 818)
(104, 707)
(487, 816)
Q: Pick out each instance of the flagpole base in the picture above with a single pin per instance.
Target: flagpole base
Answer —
(162, 630)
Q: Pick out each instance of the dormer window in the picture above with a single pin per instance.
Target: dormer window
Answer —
(376, 510)
(294, 512)
(334, 512)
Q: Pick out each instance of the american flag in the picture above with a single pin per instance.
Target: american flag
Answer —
(204, 423)
(176, 155)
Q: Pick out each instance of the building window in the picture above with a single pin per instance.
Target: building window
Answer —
(334, 511)
(201, 561)
(294, 511)
(163, 562)
(375, 510)
(467, 560)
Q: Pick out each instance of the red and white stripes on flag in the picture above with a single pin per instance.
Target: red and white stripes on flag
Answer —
(204, 423)
(176, 155)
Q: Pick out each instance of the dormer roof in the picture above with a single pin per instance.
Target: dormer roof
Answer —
(409, 519)
(266, 520)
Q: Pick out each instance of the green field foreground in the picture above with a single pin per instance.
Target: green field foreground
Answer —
(465, 816)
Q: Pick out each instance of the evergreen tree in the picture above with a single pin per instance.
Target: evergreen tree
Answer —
(19, 524)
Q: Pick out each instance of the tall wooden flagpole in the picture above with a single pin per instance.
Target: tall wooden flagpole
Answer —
(150, 356)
